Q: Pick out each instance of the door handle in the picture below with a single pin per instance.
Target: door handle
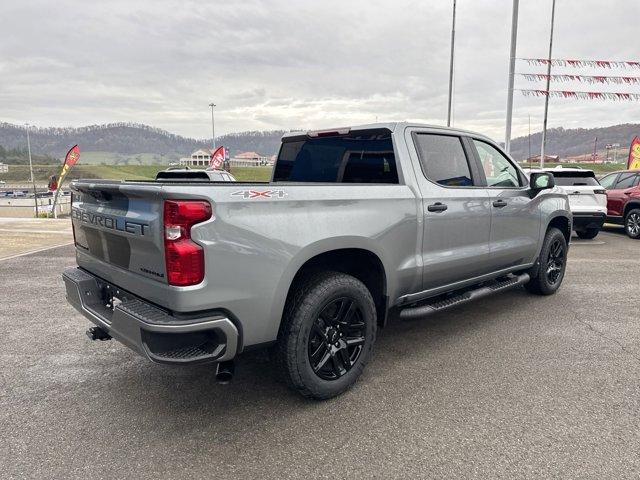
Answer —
(499, 203)
(437, 207)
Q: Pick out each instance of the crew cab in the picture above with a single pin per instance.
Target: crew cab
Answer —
(623, 200)
(357, 225)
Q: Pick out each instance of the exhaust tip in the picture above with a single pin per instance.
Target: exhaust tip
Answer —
(224, 372)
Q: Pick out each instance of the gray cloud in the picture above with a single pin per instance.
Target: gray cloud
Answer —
(277, 64)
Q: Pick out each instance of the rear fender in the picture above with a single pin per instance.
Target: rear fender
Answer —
(311, 251)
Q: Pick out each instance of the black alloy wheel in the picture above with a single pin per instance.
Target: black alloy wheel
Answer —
(547, 273)
(336, 339)
(327, 334)
(555, 261)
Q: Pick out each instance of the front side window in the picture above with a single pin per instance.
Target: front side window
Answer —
(443, 159)
(608, 181)
(499, 171)
(626, 180)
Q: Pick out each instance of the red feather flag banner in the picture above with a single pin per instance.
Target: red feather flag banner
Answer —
(534, 77)
(217, 158)
(564, 62)
(582, 95)
(634, 155)
(70, 159)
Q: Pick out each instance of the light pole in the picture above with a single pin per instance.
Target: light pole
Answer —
(546, 98)
(453, 43)
(33, 180)
(213, 126)
(512, 67)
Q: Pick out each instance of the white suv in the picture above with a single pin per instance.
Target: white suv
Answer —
(587, 198)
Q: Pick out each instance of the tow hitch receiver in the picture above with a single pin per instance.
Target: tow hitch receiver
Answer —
(96, 333)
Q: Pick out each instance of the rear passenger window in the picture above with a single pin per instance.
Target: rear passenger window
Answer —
(443, 159)
(364, 156)
(626, 180)
(609, 181)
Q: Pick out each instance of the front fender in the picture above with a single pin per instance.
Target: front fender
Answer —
(553, 204)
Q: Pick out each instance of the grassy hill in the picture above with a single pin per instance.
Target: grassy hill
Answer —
(577, 141)
(20, 173)
(110, 158)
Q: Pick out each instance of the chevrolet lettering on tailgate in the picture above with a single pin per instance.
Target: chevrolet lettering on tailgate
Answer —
(112, 223)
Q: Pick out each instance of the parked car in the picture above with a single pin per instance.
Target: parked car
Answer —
(587, 198)
(357, 224)
(187, 174)
(623, 200)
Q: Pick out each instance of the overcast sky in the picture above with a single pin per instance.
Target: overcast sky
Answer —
(300, 64)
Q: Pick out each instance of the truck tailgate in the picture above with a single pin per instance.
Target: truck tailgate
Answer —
(120, 224)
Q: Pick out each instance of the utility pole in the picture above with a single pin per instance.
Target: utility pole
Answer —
(33, 179)
(512, 68)
(595, 149)
(213, 126)
(453, 44)
(529, 140)
(546, 98)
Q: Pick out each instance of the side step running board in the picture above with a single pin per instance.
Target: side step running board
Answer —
(439, 304)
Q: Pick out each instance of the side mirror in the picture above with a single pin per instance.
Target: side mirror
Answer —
(541, 181)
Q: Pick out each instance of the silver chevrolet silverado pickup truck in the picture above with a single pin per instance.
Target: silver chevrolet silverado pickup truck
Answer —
(356, 225)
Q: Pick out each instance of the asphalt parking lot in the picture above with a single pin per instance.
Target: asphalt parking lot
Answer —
(508, 387)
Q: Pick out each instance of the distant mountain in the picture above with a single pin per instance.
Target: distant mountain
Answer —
(575, 141)
(129, 142)
(129, 139)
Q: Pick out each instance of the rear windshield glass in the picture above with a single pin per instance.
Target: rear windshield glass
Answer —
(574, 179)
(365, 156)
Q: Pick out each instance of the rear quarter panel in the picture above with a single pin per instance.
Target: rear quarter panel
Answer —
(255, 246)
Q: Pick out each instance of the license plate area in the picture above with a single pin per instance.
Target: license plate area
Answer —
(581, 199)
(110, 298)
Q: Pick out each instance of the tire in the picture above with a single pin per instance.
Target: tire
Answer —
(632, 223)
(588, 234)
(547, 275)
(330, 318)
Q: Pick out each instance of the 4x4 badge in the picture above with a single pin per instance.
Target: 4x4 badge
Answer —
(250, 194)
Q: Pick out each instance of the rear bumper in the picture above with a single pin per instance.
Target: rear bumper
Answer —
(584, 220)
(147, 329)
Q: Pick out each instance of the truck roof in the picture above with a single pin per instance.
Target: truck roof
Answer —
(387, 125)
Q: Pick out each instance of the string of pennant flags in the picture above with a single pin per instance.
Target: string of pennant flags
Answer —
(533, 77)
(562, 62)
(582, 95)
(587, 79)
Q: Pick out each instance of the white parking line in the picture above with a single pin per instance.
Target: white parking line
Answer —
(13, 230)
(35, 251)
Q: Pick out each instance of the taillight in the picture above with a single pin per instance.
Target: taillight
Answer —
(600, 192)
(184, 258)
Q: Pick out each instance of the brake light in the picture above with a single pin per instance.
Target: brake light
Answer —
(329, 133)
(600, 191)
(184, 258)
